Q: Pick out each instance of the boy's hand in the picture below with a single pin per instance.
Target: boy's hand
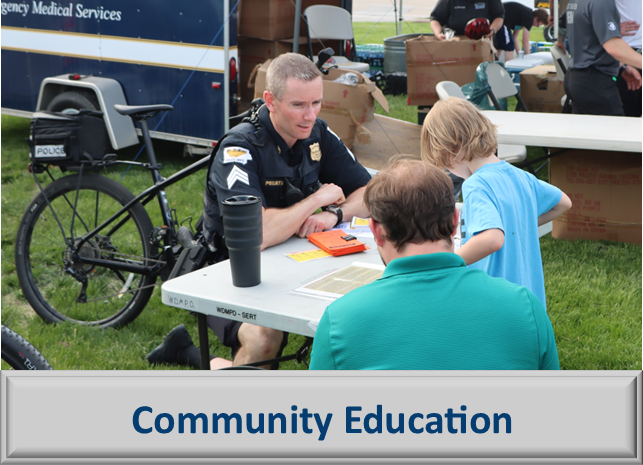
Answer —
(482, 245)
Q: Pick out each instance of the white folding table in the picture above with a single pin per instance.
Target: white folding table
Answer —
(272, 303)
(565, 131)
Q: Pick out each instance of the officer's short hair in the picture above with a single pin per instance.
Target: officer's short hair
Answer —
(289, 65)
(413, 201)
(456, 126)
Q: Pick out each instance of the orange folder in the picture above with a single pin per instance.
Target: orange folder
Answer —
(334, 243)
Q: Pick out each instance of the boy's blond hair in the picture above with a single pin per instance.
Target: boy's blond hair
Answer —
(456, 126)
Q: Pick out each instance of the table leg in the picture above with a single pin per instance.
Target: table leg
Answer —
(204, 345)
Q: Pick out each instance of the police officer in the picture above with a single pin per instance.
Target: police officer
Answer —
(306, 178)
(596, 46)
(455, 14)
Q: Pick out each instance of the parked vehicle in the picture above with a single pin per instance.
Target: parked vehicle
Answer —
(61, 56)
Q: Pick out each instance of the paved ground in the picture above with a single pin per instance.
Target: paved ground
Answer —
(383, 10)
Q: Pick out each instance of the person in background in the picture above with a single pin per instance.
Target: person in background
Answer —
(518, 17)
(630, 11)
(503, 205)
(597, 52)
(455, 14)
(428, 311)
(306, 178)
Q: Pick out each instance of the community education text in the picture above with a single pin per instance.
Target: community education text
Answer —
(145, 421)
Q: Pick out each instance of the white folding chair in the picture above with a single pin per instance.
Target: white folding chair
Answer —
(508, 153)
(561, 62)
(325, 22)
(502, 86)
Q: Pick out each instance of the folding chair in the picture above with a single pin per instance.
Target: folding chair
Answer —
(561, 62)
(333, 23)
(502, 86)
(509, 153)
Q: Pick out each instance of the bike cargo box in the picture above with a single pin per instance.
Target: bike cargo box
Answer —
(67, 139)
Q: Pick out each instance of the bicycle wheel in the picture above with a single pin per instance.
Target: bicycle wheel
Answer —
(19, 354)
(59, 289)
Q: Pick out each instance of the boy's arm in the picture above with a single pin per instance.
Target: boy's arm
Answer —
(481, 245)
(561, 207)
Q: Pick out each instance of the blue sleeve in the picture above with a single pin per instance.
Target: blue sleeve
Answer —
(548, 352)
(547, 196)
(322, 354)
(480, 213)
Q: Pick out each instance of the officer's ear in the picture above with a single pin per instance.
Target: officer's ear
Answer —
(270, 99)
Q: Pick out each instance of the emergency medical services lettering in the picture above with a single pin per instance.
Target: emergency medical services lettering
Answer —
(60, 9)
(145, 421)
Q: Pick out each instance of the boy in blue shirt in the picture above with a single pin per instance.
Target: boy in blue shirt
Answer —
(503, 205)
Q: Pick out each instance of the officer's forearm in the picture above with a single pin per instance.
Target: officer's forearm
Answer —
(526, 46)
(279, 224)
(497, 24)
(436, 27)
(354, 205)
(619, 49)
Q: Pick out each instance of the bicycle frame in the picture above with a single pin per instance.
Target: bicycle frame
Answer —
(144, 197)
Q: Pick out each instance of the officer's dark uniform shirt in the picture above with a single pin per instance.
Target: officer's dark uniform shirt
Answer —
(591, 23)
(253, 159)
(455, 14)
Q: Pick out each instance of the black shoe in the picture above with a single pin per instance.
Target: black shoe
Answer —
(172, 347)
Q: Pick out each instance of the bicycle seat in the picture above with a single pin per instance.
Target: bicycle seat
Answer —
(142, 112)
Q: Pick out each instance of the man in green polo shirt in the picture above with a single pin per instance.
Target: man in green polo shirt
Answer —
(429, 311)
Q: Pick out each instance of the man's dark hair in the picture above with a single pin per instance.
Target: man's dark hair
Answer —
(542, 15)
(413, 201)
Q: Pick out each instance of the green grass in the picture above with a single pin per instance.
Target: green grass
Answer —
(593, 288)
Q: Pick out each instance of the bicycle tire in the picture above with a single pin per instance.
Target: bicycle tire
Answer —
(44, 265)
(20, 354)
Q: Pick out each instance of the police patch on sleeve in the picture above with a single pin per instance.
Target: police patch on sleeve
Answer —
(237, 174)
(236, 155)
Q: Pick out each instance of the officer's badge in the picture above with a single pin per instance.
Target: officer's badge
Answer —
(236, 155)
(315, 152)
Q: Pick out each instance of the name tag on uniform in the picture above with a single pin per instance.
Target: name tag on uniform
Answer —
(480, 6)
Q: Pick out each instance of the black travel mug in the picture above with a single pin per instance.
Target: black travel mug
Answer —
(242, 229)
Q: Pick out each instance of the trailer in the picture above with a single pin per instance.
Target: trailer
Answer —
(61, 55)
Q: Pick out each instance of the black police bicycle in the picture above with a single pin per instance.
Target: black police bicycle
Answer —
(87, 251)
(19, 354)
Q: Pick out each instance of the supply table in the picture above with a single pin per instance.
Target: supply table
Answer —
(272, 303)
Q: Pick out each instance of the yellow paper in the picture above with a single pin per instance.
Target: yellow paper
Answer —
(308, 255)
(359, 223)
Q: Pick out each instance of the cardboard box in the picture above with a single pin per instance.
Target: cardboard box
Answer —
(253, 52)
(429, 61)
(605, 189)
(273, 19)
(344, 108)
(541, 89)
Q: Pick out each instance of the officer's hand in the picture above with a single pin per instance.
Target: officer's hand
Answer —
(440, 36)
(316, 223)
(629, 28)
(632, 77)
(329, 194)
